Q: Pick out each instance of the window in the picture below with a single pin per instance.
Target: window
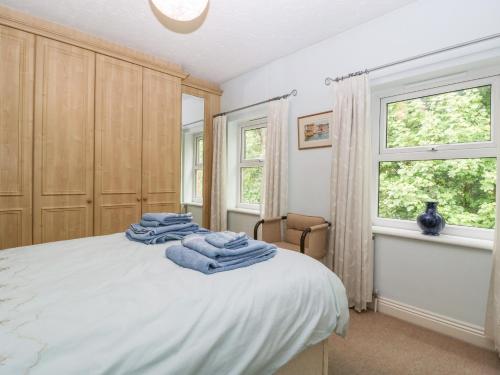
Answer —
(439, 144)
(251, 153)
(198, 168)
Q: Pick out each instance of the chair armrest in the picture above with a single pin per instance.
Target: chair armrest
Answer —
(266, 222)
(315, 228)
(256, 228)
(312, 230)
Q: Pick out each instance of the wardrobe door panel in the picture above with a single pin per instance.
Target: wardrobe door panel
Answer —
(161, 142)
(118, 145)
(17, 50)
(64, 141)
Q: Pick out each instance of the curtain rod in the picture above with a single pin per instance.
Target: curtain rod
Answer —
(292, 93)
(192, 123)
(329, 80)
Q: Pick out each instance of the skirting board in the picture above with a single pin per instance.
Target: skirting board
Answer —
(469, 333)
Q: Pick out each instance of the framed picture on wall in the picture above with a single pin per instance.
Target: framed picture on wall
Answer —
(314, 130)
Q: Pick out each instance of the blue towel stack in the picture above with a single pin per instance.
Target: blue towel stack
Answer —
(219, 251)
(162, 227)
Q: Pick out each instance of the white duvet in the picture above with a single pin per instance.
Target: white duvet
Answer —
(106, 305)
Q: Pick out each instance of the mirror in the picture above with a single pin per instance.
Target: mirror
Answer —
(193, 120)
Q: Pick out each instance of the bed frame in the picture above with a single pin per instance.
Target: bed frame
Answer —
(312, 361)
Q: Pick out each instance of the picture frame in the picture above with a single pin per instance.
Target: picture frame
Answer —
(314, 131)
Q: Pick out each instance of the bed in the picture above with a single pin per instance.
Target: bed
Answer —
(106, 305)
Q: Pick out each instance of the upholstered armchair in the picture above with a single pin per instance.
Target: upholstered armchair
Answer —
(307, 234)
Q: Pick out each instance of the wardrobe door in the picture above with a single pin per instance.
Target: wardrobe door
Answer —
(118, 145)
(17, 51)
(64, 142)
(161, 151)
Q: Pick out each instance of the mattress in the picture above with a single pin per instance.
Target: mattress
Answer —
(107, 305)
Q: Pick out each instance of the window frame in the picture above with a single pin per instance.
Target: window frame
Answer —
(432, 152)
(196, 166)
(259, 123)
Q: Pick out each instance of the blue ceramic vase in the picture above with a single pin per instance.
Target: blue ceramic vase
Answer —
(431, 222)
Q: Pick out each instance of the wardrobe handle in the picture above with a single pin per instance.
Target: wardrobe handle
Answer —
(145, 199)
(138, 199)
(89, 201)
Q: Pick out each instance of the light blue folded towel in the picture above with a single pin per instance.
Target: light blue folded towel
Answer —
(229, 240)
(165, 218)
(139, 229)
(192, 259)
(160, 238)
(154, 223)
(149, 237)
(198, 243)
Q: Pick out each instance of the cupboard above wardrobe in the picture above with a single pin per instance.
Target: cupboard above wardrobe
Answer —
(90, 133)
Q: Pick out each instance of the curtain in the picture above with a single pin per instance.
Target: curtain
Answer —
(492, 326)
(350, 251)
(275, 189)
(218, 210)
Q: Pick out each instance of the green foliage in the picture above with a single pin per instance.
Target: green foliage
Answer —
(199, 150)
(251, 177)
(464, 188)
(251, 181)
(255, 143)
(199, 184)
(455, 117)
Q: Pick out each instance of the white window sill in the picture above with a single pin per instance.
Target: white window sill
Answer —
(245, 211)
(197, 204)
(443, 238)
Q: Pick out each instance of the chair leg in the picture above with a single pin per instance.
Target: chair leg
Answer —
(303, 240)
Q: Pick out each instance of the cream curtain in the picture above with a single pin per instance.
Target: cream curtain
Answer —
(218, 209)
(275, 186)
(492, 326)
(351, 247)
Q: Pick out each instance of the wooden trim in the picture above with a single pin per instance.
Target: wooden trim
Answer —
(211, 107)
(202, 84)
(34, 25)
(460, 330)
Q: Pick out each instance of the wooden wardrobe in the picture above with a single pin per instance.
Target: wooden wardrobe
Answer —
(17, 57)
(90, 133)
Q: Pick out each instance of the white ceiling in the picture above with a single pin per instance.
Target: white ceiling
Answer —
(237, 35)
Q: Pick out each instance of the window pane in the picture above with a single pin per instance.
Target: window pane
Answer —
(461, 116)
(251, 179)
(199, 151)
(464, 188)
(198, 188)
(254, 143)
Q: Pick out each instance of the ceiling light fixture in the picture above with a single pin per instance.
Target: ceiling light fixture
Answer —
(181, 10)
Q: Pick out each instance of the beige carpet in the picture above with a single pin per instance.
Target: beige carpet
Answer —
(380, 344)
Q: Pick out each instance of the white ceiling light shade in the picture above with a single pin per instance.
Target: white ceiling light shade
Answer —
(181, 10)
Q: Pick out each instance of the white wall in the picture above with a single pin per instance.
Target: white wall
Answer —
(404, 268)
(197, 211)
(192, 109)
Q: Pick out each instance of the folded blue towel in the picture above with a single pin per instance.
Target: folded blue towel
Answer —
(149, 236)
(154, 223)
(198, 243)
(192, 259)
(162, 218)
(139, 229)
(229, 240)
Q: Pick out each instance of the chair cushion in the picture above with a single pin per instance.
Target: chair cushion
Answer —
(301, 222)
(294, 235)
(287, 245)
